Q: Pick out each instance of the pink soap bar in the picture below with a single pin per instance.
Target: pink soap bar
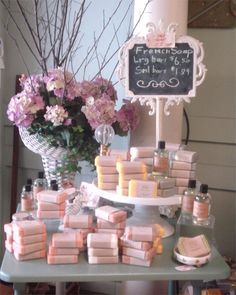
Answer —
(142, 152)
(101, 240)
(62, 251)
(78, 221)
(46, 206)
(102, 252)
(141, 254)
(186, 156)
(178, 165)
(103, 259)
(118, 232)
(52, 196)
(141, 233)
(142, 188)
(50, 214)
(106, 170)
(28, 227)
(136, 261)
(182, 182)
(9, 246)
(25, 240)
(83, 231)
(122, 154)
(108, 177)
(111, 214)
(8, 229)
(101, 223)
(33, 255)
(136, 244)
(165, 193)
(62, 259)
(107, 161)
(107, 185)
(131, 167)
(67, 240)
(164, 183)
(26, 249)
(182, 174)
(138, 176)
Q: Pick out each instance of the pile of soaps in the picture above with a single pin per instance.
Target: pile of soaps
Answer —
(26, 239)
(136, 171)
(51, 204)
(140, 244)
(103, 245)
(166, 187)
(183, 168)
(143, 154)
(64, 248)
(82, 224)
(107, 175)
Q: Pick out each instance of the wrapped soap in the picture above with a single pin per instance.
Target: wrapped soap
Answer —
(142, 188)
(107, 185)
(28, 227)
(146, 161)
(136, 244)
(141, 233)
(50, 214)
(103, 259)
(78, 221)
(108, 178)
(182, 182)
(183, 174)
(46, 206)
(141, 254)
(111, 214)
(126, 167)
(34, 255)
(118, 232)
(30, 239)
(102, 240)
(186, 156)
(142, 152)
(52, 196)
(122, 154)
(101, 223)
(67, 240)
(164, 183)
(62, 251)
(107, 161)
(129, 176)
(83, 231)
(29, 248)
(165, 193)
(178, 165)
(62, 259)
(103, 252)
(106, 170)
(135, 261)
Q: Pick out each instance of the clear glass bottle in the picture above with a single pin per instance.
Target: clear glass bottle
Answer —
(188, 199)
(27, 203)
(39, 184)
(160, 166)
(202, 206)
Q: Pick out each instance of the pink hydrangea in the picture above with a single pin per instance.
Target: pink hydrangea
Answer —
(100, 111)
(31, 84)
(56, 114)
(23, 107)
(128, 116)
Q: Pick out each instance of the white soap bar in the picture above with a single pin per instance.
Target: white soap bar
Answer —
(102, 252)
(186, 156)
(168, 192)
(98, 240)
(103, 259)
(142, 152)
(183, 174)
(178, 165)
(131, 167)
(142, 188)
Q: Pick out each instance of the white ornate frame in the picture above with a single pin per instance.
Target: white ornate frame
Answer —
(199, 72)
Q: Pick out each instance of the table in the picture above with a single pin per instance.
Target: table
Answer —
(163, 268)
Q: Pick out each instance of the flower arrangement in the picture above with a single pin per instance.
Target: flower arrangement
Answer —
(66, 112)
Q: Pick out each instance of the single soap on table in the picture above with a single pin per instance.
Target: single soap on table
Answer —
(78, 221)
(67, 240)
(111, 214)
(142, 188)
(51, 196)
(102, 240)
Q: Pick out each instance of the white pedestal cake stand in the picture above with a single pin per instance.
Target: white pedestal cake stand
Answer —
(146, 209)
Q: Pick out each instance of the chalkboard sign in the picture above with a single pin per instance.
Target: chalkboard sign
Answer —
(161, 71)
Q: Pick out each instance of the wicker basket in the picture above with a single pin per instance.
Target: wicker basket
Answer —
(52, 158)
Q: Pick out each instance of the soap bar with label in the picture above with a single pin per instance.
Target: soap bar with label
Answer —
(52, 196)
(102, 252)
(141, 233)
(28, 227)
(178, 165)
(186, 156)
(136, 261)
(33, 255)
(103, 259)
(107, 161)
(78, 221)
(25, 240)
(107, 185)
(122, 154)
(101, 223)
(26, 249)
(62, 259)
(164, 183)
(108, 177)
(67, 240)
(183, 174)
(138, 176)
(127, 167)
(50, 214)
(168, 192)
(141, 254)
(106, 170)
(111, 214)
(118, 232)
(142, 152)
(62, 251)
(46, 206)
(101, 240)
(136, 244)
(142, 188)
